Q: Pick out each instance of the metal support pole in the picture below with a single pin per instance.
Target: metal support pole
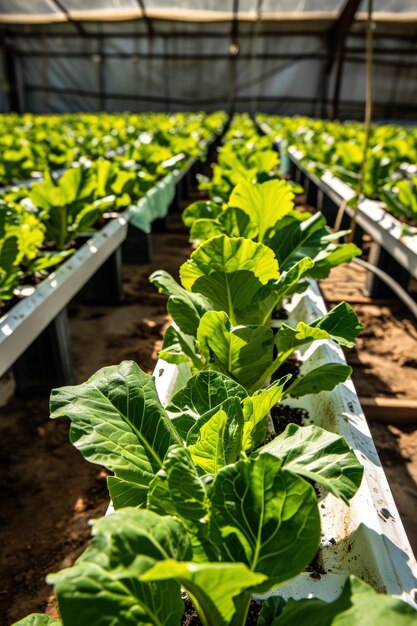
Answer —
(380, 258)
(9, 63)
(47, 363)
(106, 286)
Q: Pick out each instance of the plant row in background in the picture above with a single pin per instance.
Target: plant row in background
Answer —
(391, 173)
(35, 143)
(207, 499)
(39, 225)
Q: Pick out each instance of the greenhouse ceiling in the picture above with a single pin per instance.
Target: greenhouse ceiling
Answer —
(52, 11)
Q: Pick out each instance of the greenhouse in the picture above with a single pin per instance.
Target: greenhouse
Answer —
(208, 313)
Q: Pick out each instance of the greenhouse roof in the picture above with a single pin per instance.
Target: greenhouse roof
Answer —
(50, 11)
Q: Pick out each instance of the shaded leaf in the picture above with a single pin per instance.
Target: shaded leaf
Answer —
(319, 455)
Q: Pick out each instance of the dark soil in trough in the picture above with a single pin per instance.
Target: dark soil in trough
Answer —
(48, 492)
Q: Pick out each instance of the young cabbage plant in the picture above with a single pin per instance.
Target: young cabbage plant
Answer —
(250, 354)
(265, 213)
(138, 562)
(118, 422)
(68, 207)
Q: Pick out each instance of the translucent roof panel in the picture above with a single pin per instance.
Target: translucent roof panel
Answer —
(390, 6)
(35, 10)
(195, 10)
(301, 6)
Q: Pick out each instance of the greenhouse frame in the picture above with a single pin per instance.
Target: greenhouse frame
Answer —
(208, 312)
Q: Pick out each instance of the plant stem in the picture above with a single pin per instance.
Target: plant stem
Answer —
(242, 606)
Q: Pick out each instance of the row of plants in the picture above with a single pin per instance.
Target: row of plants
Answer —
(40, 225)
(33, 144)
(390, 175)
(211, 506)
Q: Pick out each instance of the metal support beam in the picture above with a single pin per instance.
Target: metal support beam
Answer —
(61, 7)
(335, 41)
(102, 75)
(233, 53)
(9, 64)
(146, 18)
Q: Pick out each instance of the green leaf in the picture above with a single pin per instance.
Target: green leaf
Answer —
(341, 324)
(9, 253)
(323, 378)
(180, 486)
(38, 619)
(185, 308)
(266, 517)
(241, 352)
(370, 607)
(179, 348)
(271, 608)
(219, 443)
(358, 605)
(236, 223)
(200, 210)
(105, 586)
(117, 421)
(291, 234)
(289, 281)
(265, 203)
(214, 587)
(47, 260)
(205, 229)
(331, 257)
(256, 409)
(311, 612)
(203, 394)
(320, 456)
(230, 273)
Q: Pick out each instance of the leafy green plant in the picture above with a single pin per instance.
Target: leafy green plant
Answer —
(117, 421)
(222, 316)
(265, 213)
(138, 561)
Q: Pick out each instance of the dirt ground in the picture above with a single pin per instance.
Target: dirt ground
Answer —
(49, 492)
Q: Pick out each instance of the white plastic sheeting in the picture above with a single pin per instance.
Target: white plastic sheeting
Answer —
(26, 11)
(185, 65)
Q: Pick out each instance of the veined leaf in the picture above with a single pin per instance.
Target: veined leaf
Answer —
(331, 257)
(200, 210)
(241, 352)
(203, 394)
(230, 273)
(358, 605)
(219, 442)
(205, 229)
(214, 587)
(291, 234)
(255, 410)
(341, 324)
(265, 203)
(266, 517)
(323, 378)
(38, 619)
(185, 308)
(179, 347)
(117, 421)
(320, 456)
(105, 582)
(184, 493)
